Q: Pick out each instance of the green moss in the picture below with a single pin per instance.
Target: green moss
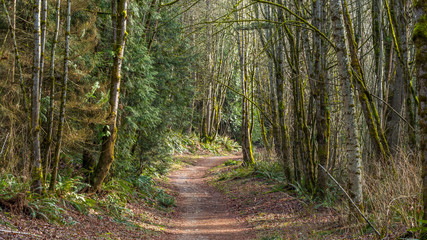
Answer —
(420, 29)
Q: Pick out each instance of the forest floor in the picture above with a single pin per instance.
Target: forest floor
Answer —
(207, 207)
(250, 207)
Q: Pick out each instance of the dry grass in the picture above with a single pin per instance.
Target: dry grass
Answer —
(392, 194)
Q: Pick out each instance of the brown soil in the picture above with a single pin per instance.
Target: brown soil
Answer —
(202, 211)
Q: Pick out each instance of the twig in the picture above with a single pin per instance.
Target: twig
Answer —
(351, 200)
(4, 144)
(22, 233)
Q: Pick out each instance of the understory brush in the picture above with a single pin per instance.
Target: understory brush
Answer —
(131, 179)
(53, 207)
(183, 143)
(269, 170)
(391, 193)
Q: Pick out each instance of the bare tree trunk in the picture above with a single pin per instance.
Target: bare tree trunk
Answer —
(37, 172)
(377, 38)
(352, 142)
(110, 130)
(420, 40)
(398, 90)
(63, 102)
(321, 95)
(47, 153)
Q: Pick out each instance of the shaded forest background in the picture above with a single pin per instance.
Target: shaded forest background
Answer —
(313, 85)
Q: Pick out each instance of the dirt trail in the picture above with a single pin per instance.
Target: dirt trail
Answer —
(203, 211)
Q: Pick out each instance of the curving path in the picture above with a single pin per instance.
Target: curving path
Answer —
(202, 210)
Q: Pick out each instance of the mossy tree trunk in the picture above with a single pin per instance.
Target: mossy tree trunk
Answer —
(248, 157)
(321, 95)
(368, 106)
(352, 142)
(110, 130)
(37, 172)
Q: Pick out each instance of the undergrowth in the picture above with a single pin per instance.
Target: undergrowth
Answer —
(180, 143)
(116, 194)
(392, 200)
(124, 185)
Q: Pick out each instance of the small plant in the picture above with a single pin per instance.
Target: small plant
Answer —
(164, 199)
(46, 208)
(231, 162)
(269, 170)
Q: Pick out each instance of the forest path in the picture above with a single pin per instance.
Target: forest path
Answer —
(202, 210)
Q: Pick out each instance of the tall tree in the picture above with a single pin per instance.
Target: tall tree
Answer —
(110, 130)
(378, 45)
(368, 107)
(50, 116)
(63, 101)
(321, 94)
(399, 84)
(352, 142)
(248, 157)
(37, 172)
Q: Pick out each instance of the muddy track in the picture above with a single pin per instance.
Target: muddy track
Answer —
(202, 210)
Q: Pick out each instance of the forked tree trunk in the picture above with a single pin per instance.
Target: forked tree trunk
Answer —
(110, 130)
(63, 102)
(37, 172)
(352, 143)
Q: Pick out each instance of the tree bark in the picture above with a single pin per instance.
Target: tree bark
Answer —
(368, 107)
(398, 89)
(352, 142)
(378, 45)
(37, 172)
(110, 130)
(321, 95)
